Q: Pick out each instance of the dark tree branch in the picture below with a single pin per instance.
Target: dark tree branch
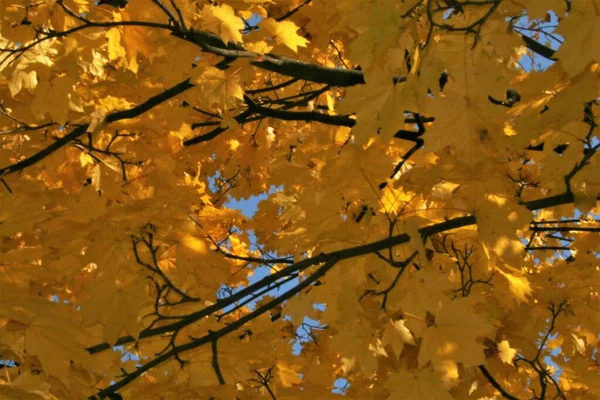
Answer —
(91, 149)
(297, 267)
(215, 361)
(178, 11)
(539, 48)
(411, 136)
(240, 118)
(40, 155)
(263, 380)
(258, 260)
(327, 261)
(147, 238)
(82, 129)
(544, 376)
(8, 189)
(168, 13)
(495, 384)
(336, 120)
(273, 88)
(205, 137)
(23, 127)
(474, 27)
(46, 35)
(385, 292)
(257, 295)
(293, 11)
(212, 43)
(464, 265)
(215, 335)
(547, 248)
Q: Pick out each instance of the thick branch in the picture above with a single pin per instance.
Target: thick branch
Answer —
(539, 48)
(213, 44)
(337, 120)
(327, 261)
(213, 336)
(215, 362)
(495, 383)
(344, 254)
(82, 129)
(293, 11)
(40, 155)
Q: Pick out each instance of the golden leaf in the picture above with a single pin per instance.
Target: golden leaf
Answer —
(222, 20)
(115, 50)
(505, 352)
(284, 33)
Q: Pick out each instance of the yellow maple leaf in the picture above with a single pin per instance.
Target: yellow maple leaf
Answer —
(453, 336)
(223, 21)
(85, 159)
(115, 49)
(135, 41)
(403, 332)
(53, 97)
(27, 386)
(116, 307)
(216, 86)
(259, 47)
(341, 135)
(284, 32)
(520, 287)
(397, 335)
(22, 79)
(111, 103)
(189, 251)
(50, 334)
(423, 383)
(52, 339)
(582, 44)
(88, 205)
(392, 200)
(579, 343)
(375, 105)
(288, 374)
(505, 352)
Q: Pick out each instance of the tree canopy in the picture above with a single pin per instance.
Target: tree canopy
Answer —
(428, 173)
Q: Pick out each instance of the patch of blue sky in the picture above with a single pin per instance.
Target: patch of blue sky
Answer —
(541, 31)
(250, 301)
(126, 355)
(248, 206)
(304, 333)
(340, 386)
(549, 360)
(254, 20)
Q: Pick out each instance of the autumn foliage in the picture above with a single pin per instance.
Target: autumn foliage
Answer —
(429, 176)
